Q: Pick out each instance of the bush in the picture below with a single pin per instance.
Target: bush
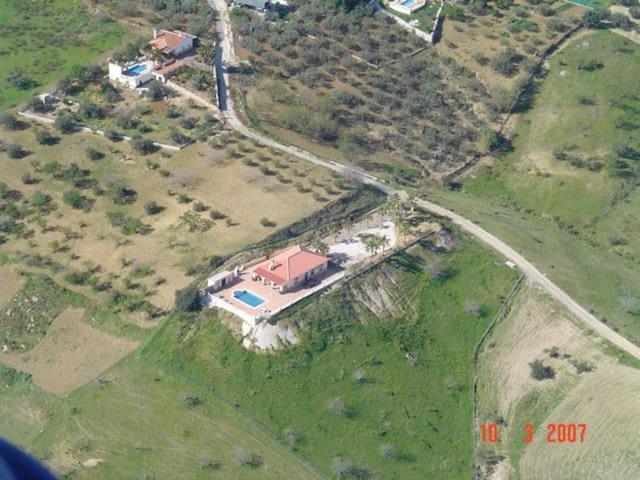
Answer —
(156, 91)
(10, 122)
(265, 222)
(635, 11)
(291, 436)
(43, 137)
(15, 151)
(388, 451)
(595, 18)
(21, 81)
(152, 208)
(507, 62)
(143, 146)
(113, 136)
(338, 407)
(94, 154)
(247, 459)
(343, 467)
(66, 123)
(217, 215)
(188, 299)
(540, 371)
(74, 199)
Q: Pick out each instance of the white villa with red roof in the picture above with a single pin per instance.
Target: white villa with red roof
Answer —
(172, 43)
(291, 268)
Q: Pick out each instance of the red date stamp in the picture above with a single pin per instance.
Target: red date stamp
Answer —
(556, 432)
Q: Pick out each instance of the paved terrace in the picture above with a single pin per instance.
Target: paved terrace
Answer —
(274, 301)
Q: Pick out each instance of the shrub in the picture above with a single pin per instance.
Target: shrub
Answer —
(359, 376)
(507, 62)
(74, 199)
(596, 17)
(247, 459)
(188, 299)
(338, 407)
(342, 467)
(15, 151)
(10, 122)
(152, 208)
(21, 81)
(635, 11)
(265, 222)
(291, 436)
(388, 451)
(143, 146)
(540, 371)
(156, 91)
(94, 154)
(582, 366)
(113, 136)
(217, 215)
(190, 400)
(43, 137)
(65, 123)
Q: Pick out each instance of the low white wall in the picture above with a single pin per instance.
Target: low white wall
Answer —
(213, 301)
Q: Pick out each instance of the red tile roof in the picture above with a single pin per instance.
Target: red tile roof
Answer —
(168, 41)
(290, 263)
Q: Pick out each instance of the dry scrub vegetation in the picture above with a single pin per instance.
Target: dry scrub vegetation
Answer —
(135, 227)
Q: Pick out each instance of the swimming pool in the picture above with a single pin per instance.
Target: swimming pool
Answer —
(407, 3)
(136, 70)
(249, 298)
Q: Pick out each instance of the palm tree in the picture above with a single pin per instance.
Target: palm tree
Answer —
(382, 241)
(320, 246)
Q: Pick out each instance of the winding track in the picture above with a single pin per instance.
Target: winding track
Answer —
(227, 57)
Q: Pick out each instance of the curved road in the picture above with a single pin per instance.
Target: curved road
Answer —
(532, 273)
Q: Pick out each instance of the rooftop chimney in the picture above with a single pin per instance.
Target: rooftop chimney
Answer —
(272, 265)
(155, 33)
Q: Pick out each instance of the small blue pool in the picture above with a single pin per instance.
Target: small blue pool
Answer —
(249, 298)
(136, 70)
(408, 3)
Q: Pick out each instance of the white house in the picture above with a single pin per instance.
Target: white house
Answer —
(260, 5)
(172, 43)
(407, 6)
(132, 74)
(219, 281)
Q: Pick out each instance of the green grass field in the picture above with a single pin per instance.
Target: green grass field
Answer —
(137, 424)
(424, 410)
(579, 226)
(44, 39)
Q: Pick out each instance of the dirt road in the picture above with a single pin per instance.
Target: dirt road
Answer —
(227, 57)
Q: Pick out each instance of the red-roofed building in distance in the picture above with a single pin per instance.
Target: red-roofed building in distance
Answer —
(291, 268)
(172, 43)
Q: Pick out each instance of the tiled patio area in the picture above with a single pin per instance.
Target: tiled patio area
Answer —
(274, 300)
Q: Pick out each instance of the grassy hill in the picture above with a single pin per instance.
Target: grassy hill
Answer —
(566, 195)
(360, 382)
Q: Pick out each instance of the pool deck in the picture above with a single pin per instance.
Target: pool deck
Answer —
(275, 301)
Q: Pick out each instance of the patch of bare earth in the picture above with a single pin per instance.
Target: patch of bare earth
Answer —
(10, 283)
(71, 354)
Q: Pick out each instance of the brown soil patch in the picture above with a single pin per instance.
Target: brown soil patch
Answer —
(10, 283)
(71, 354)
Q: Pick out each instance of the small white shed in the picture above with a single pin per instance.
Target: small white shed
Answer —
(219, 280)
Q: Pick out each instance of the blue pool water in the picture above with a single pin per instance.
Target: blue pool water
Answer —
(136, 70)
(408, 3)
(249, 298)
